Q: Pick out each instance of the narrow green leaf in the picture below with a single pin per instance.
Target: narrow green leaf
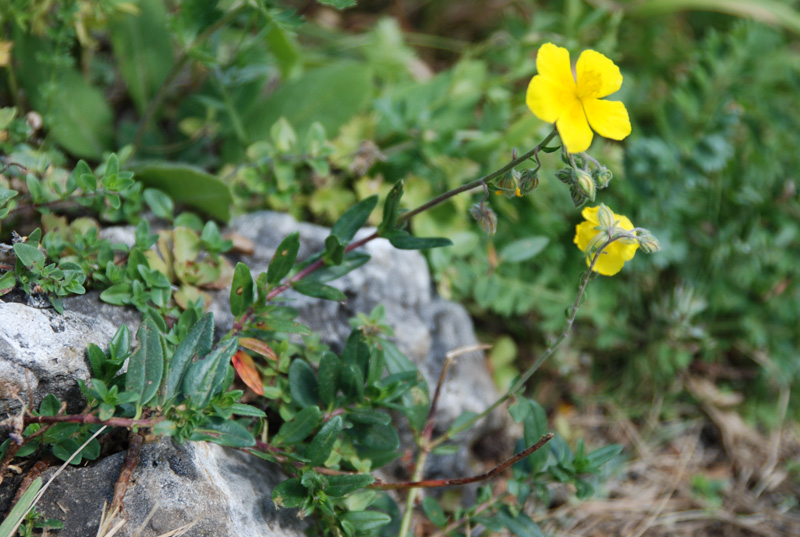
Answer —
(369, 417)
(303, 383)
(328, 376)
(319, 290)
(416, 400)
(523, 249)
(283, 259)
(390, 209)
(159, 202)
(365, 521)
(298, 428)
(17, 512)
(224, 432)
(247, 410)
(289, 493)
(204, 378)
(521, 525)
(434, 511)
(118, 294)
(242, 290)
(353, 219)
(321, 446)
(350, 261)
(334, 250)
(146, 365)
(196, 343)
(342, 485)
(403, 241)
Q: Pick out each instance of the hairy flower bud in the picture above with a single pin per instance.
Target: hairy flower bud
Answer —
(605, 217)
(566, 175)
(585, 184)
(529, 180)
(648, 243)
(602, 176)
(486, 218)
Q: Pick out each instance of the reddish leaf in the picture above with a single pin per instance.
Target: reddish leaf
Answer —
(258, 346)
(247, 371)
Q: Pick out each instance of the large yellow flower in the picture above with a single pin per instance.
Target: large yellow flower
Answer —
(555, 97)
(615, 254)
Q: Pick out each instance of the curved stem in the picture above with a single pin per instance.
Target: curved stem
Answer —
(520, 383)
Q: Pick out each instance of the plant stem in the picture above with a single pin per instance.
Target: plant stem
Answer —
(434, 483)
(478, 182)
(176, 69)
(520, 383)
(93, 420)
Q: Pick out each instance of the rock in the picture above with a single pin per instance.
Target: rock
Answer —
(426, 327)
(91, 306)
(43, 352)
(223, 491)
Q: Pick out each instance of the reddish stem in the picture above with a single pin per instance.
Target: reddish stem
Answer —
(131, 460)
(434, 483)
(93, 420)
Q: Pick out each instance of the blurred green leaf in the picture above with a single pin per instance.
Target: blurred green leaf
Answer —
(242, 290)
(303, 383)
(321, 446)
(298, 429)
(319, 290)
(283, 259)
(342, 485)
(523, 249)
(224, 432)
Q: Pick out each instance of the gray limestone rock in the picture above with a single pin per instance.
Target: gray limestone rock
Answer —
(221, 491)
(43, 352)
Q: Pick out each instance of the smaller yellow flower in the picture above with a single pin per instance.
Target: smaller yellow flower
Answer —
(615, 254)
(554, 96)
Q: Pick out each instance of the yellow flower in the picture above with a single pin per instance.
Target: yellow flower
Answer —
(555, 97)
(5, 52)
(615, 254)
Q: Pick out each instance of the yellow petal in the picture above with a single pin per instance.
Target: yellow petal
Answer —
(553, 62)
(623, 222)
(548, 100)
(584, 233)
(590, 214)
(608, 118)
(597, 75)
(574, 129)
(607, 264)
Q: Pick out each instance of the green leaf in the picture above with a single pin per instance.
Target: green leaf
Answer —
(159, 202)
(334, 250)
(342, 485)
(351, 261)
(328, 377)
(49, 405)
(347, 86)
(6, 194)
(298, 428)
(223, 432)
(7, 281)
(30, 256)
(17, 512)
(289, 493)
(338, 4)
(416, 400)
(319, 290)
(146, 365)
(242, 290)
(81, 118)
(521, 525)
(35, 189)
(205, 378)
(190, 185)
(247, 410)
(321, 446)
(402, 240)
(283, 259)
(303, 383)
(365, 521)
(523, 249)
(379, 437)
(602, 455)
(143, 49)
(118, 294)
(196, 343)
(369, 417)
(434, 511)
(353, 219)
(390, 209)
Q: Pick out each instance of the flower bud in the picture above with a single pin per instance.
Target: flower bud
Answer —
(486, 218)
(605, 216)
(565, 175)
(585, 184)
(528, 182)
(602, 176)
(578, 198)
(648, 243)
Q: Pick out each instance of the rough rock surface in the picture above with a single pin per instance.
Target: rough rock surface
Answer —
(222, 491)
(43, 352)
